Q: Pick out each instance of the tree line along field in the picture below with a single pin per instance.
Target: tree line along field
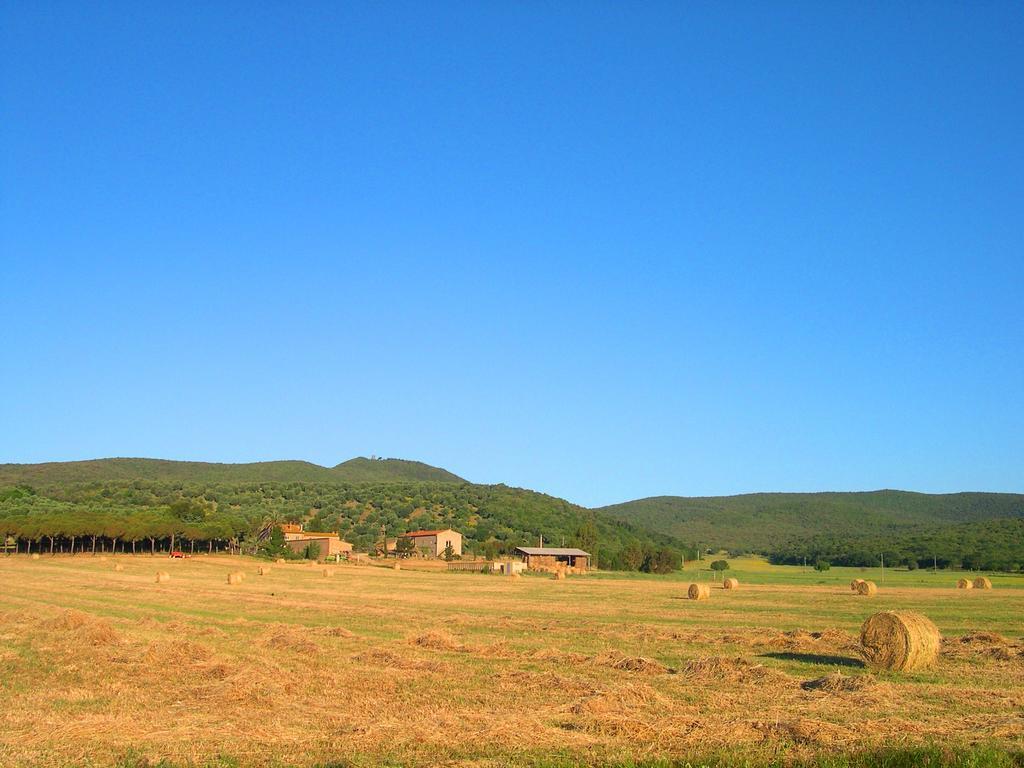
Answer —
(370, 666)
(146, 514)
(229, 505)
(958, 530)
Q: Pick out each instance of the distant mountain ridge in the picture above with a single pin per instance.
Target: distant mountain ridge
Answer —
(357, 470)
(759, 522)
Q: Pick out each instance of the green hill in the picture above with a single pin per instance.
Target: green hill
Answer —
(359, 470)
(362, 470)
(218, 504)
(762, 522)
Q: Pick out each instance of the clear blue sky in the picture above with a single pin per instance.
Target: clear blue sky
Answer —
(604, 250)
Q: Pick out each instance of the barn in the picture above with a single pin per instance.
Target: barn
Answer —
(552, 558)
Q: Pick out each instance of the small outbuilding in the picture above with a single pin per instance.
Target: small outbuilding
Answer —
(552, 558)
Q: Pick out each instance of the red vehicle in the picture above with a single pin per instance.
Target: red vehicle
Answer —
(177, 553)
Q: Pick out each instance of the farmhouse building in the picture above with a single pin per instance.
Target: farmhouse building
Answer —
(434, 543)
(551, 558)
(329, 544)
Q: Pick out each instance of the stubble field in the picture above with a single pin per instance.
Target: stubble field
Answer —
(371, 666)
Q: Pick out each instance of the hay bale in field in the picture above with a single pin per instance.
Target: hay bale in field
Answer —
(118, 567)
(559, 575)
(235, 578)
(867, 588)
(855, 584)
(263, 570)
(280, 561)
(162, 577)
(964, 584)
(35, 556)
(982, 583)
(398, 566)
(900, 640)
(731, 583)
(103, 559)
(698, 592)
(328, 572)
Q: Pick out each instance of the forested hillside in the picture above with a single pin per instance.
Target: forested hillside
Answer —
(494, 519)
(358, 470)
(990, 545)
(159, 502)
(764, 522)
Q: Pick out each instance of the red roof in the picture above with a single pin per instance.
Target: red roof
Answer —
(412, 534)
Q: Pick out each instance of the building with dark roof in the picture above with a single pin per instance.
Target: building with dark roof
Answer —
(553, 558)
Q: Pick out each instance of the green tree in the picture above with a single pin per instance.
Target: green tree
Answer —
(632, 556)
(720, 565)
(405, 547)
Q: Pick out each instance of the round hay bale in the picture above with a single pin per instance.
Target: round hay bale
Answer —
(559, 575)
(162, 577)
(698, 592)
(867, 588)
(900, 640)
(328, 572)
(855, 584)
(731, 583)
(964, 584)
(280, 561)
(235, 578)
(982, 583)
(35, 556)
(263, 570)
(103, 559)
(118, 567)
(398, 566)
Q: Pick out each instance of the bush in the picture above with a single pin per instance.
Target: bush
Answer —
(822, 565)
(720, 565)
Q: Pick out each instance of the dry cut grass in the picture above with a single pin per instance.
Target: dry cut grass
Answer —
(418, 668)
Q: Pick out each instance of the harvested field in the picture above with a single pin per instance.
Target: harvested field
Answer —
(418, 668)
